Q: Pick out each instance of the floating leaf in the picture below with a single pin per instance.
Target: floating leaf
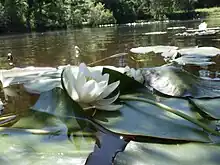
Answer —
(58, 103)
(172, 154)
(42, 85)
(191, 60)
(40, 138)
(175, 81)
(142, 119)
(200, 51)
(155, 49)
(211, 107)
(22, 75)
(176, 28)
(155, 33)
(125, 81)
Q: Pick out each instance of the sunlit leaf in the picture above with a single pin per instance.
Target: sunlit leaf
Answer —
(172, 154)
(141, 119)
(155, 49)
(200, 51)
(199, 60)
(210, 107)
(40, 138)
(58, 103)
(175, 81)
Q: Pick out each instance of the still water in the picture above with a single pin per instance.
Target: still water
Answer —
(58, 48)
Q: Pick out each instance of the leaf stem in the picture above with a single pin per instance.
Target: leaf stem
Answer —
(174, 111)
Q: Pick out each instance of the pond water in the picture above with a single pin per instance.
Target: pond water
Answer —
(58, 48)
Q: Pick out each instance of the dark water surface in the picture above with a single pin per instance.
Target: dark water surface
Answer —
(58, 48)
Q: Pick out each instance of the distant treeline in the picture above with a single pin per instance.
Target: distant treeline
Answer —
(40, 15)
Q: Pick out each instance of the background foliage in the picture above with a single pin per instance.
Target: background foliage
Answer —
(40, 15)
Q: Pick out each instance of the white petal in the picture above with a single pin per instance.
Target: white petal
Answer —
(107, 101)
(69, 83)
(83, 68)
(109, 89)
(87, 94)
(105, 77)
(133, 72)
(80, 82)
(96, 76)
(127, 69)
(112, 107)
(102, 85)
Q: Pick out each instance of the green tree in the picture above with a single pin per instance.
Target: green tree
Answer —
(99, 15)
(15, 13)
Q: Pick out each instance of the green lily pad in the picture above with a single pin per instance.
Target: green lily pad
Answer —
(40, 138)
(166, 126)
(125, 82)
(174, 81)
(164, 154)
(58, 103)
(210, 107)
(141, 119)
(190, 60)
(200, 51)
(155, 49)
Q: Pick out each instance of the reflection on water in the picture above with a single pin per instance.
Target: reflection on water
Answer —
(58, 48)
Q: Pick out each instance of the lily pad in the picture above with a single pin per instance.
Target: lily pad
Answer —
(146, 120)
(174, 81)
(155, 49)
(211, 107)
(155, 33)
(200, 51)
(22, 75)
(164, 154)
(125, 81)
(198, 33)
(42, 85)
(151, 122)
(176, 28)
(56, 102)
(194, 60)
(44, 142)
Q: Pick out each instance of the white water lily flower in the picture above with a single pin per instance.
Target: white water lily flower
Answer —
(89, 87)
(136, 74)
